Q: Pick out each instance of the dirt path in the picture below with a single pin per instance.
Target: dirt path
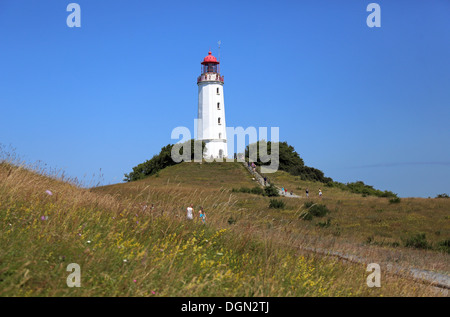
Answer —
(439, 280)
(260, 180)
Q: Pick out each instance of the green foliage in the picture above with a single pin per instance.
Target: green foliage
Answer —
(308, 204)
(288, 159)
(159, 162)
(360, 188)
(277, 204)
(271, 191)
(305, 215)
(313, 210)
(395, 200)
(443, 196)
(324, 224)
(418, 241)
(232, 220)
(444, 245)
(241, 190)
(318, 210)
(255, 190)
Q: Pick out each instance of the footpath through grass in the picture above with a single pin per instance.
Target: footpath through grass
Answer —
(123, 251)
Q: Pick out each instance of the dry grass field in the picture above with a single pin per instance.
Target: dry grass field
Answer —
(245, 248)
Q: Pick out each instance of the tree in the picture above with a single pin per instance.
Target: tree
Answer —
(289, 161)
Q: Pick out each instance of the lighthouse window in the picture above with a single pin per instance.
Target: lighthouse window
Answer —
(220, 135)
(218, 121)
(218, 106)
(218, 91)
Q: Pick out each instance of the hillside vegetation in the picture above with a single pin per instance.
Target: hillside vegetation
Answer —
(244, 249)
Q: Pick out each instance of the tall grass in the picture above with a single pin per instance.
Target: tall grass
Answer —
(124, 250)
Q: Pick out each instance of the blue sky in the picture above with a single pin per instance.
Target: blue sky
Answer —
(359, 103)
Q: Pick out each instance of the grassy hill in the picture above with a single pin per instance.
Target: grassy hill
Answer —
(362, 219)
(244, 249)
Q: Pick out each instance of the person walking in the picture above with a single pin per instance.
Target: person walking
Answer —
(190, 212)
(320, 193)
(307, 192)
(282, 190)
(202, 214)
(265, 180)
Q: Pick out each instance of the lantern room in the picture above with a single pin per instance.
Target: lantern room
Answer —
(210, 64)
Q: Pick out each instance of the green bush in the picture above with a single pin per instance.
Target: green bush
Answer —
(232, 220)
(395, 200)
(255, 190)
(444, 246)
(305, 215)
(442, 196)
(288, 160)
(245, 190)
(277, 204)
(319, 210)
(313, 210)
(271, 191)
(308, 204)
(360, 188)
(291, 162)
(419, 241)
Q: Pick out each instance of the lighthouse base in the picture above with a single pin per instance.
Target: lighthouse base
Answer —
(215, 149)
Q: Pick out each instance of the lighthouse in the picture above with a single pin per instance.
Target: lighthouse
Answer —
(211, 127)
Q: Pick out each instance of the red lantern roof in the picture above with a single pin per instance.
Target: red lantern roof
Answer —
(210, 59)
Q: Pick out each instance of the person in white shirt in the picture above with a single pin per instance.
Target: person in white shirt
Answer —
(190, 212)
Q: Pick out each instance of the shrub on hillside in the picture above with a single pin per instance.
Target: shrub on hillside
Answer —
(442, 196)
(360, 188)
(287, 158)
(444, 246)
(395, 200)
(419, 241)
(231, 220)
(241, 190)
(277, 204)
(313, 210)
(318, 210)
(255, 190)
(308, 204)
(271, 191)
(290, 161)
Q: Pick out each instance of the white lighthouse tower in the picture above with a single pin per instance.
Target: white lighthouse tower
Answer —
(211, 127)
